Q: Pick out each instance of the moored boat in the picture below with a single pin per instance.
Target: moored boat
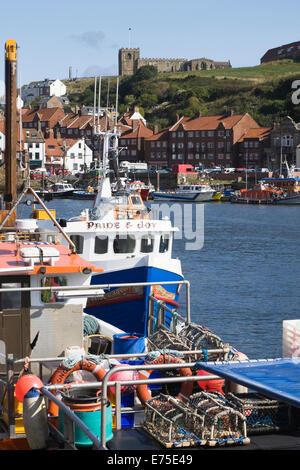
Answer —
(187, 193)
(61, 190)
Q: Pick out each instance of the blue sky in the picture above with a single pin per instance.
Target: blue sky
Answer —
(86, 34)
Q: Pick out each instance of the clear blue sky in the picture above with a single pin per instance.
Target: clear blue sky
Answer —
(86, 34)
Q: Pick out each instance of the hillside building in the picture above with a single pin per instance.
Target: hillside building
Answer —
(45, 88)
(287, 51)
(130, 61)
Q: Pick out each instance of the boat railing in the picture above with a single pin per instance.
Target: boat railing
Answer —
(66, 434)
(157, 316)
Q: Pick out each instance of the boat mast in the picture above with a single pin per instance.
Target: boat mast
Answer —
(11, 126)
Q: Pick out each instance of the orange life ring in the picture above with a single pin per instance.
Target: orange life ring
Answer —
(186, 388)
(62, 373)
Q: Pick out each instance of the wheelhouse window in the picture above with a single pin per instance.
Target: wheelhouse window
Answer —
(11, 300)
(147, 243)
(164, 243)
(48, 296)
(101, 245)
(135, 200)
(124, 244)
(78, 241)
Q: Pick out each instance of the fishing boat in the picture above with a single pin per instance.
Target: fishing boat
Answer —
(261, 193)
(187, 193)
(289, 188)
(120, 234)
(61, 189)
(139, 187)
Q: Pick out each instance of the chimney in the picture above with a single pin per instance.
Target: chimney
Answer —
(135, 124)
(156, 129)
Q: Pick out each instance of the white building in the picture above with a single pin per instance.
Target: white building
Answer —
(78, 156)
(34, 143)
(42, 89)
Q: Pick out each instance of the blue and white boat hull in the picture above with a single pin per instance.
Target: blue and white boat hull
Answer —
(127, 307)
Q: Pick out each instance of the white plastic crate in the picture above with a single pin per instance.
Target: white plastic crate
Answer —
(291, 338)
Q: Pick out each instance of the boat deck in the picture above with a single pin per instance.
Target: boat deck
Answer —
(138, 439)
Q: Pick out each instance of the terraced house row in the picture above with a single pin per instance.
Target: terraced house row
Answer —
(54, 138)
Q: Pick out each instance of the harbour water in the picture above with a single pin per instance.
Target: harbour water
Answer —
(245, 279)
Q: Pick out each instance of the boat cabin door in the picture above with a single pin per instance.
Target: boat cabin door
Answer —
(14, 317)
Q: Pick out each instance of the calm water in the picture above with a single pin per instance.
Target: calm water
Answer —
(245, 279)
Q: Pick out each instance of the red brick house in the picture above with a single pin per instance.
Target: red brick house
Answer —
(202, 140)
(252, 147)
(42, 118)
(286, 51)
(131, 142)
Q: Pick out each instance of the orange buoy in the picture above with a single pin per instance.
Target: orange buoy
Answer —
(186, 387)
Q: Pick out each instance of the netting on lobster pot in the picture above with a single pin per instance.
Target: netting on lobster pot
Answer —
(221, 423)
(171, 422)
(197, 337)
(165, 339)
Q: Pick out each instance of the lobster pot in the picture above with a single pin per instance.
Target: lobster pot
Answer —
(220, 424)
(190, 338)
(87, 406)
(171, 422)
(199, 337)
(202, 420)
(129, 343)
(263, 415)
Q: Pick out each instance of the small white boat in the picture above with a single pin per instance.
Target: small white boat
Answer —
(187, 193)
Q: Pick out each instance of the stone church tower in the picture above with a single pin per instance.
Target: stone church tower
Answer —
(128, 59)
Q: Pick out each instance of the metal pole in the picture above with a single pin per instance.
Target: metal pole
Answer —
(188, 302)
(11, 123)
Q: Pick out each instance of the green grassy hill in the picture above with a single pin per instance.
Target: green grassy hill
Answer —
(264, 91)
